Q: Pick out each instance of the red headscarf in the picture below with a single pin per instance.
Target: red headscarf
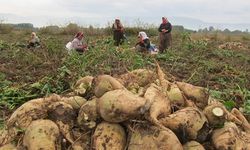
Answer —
(78, 34)
(164, 20)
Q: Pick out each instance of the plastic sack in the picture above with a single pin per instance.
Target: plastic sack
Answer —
(153, 49)
(69, 46)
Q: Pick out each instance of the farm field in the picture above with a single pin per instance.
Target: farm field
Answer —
(193, 58)
(218, 62)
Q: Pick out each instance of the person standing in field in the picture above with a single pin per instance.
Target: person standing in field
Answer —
(78, 43)
(165, 34)
(118, 32)
(34, 41)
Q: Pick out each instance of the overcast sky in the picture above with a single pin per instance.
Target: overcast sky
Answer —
(213, 11)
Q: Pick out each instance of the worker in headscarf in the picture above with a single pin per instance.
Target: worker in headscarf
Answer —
(165, 35)
(34, 41)
(144, 44)
(118, 32)
(78, 43)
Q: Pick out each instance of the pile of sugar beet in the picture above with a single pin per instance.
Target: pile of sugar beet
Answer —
(142, 109)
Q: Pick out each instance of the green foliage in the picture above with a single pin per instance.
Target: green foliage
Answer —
(246, 37)
(52, 30)
(1, 123)
(189, 44)
(245, 93)
(185, 37)
(54, 48)
(12, 97)
(229, 104)
(3, 80)
(215, 94)
(215, 36)
(194, 45)
(71, 28)
(25, 57)
(5, 28)
(50, 69)
(223, 53)
(178, 28)
(168, 56)
(246, 106)
(3, 45)
(49, 85)
(105, 58)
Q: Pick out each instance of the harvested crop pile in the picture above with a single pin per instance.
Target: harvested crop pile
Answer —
(41, 134)
(150, 137)
(232, 46)
(109, 136)
(141, 109)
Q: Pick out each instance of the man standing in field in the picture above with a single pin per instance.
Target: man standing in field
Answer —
(118, 32)
(165, 34)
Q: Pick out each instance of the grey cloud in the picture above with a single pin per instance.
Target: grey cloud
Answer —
(147, 10)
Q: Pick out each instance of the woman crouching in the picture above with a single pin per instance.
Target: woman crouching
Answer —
(79, 43)
(144, 44)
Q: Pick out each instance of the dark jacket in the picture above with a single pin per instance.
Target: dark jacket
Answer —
(145, 43)
(166, 26)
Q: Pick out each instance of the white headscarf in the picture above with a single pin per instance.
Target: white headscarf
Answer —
(34, 38)
(143, 35)
(33, 33)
